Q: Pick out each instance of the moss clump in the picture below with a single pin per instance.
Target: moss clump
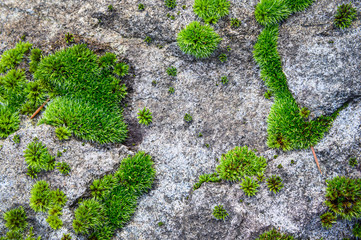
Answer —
(269, 12)
(54, 222)
(15, 219)
(343, 197)
(287, 128)
(211, 10)
(145, 116)
(206, 178)
(62, 133)
(240, 162)
(327, 219)
(249, 186)
(35, 58)
(198, 40)
(222, 57)
(170, 4)
(274, 235)
(38, 158)
(356, 231)
(115, 198)
(172, 71)
(63, 168)
(219, 212)
(12, 57)
(274, 183)
(344, 16)
(235, 23)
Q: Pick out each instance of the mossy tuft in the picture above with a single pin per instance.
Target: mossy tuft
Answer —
(274, 183)
(220, 213)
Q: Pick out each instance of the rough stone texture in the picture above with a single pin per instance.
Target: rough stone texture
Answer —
(227, 116)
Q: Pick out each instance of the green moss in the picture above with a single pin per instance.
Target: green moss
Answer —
(40, 197)
(62, 133)
(235, 23)
(222, 57)
(55, 210)
(63, 168)
(274, 235)
(35, 97)
(220, 213)
(16, 139)
(298, 5)
(121, 69)
(69, 38)
(15, 219)
(343, 197)
(206, 178)
(115, 198)
(35, 58)
(141, 7)
(352, 162)
(249, 186)
(344, 16)
(66, 237)
(327, 219)
(274, 183)
(260, 177)
(172, 71)
(279, 166)
(198, 40)
(211, 10)
(171, 90)
(148, 39)
(188, 118)
(160, 224)
(145, 116)
(110, 8)
(269, 12)
(57, 198)
(88, 95)
(12, 57)
(268, 94)
(54, 222)
(224, 80)
(37, 157)
(356, 231)
(240, 162)
(170, 4)
(287, 129)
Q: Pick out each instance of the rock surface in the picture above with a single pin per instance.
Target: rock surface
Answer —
(321, 75)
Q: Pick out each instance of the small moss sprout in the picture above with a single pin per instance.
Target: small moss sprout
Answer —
(63, 168)
(222, 57)
(188, 118)
(141, 7)
(172, 71)
(62, 133)
(346, 13)
(15, 219)
(219, 212)
(235, 23)
(249, 186)
(224, 80)
(274, 183)
(170, 4)
(145, 116)
(327, 219)
(211, 10)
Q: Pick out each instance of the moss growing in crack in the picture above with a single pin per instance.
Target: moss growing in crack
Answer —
(116, 198)
(274, 183)
(188, 118)
(249, 186)
(274, 235)
(15, 219)
(198, 40)
(86, 94)
(211, 10)
(327, 219)
(145, 116)
(235, 23)
(220, 213)
(344, 16)
(343, 197)
(240, 162)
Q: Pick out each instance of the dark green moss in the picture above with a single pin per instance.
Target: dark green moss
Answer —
(220, 213)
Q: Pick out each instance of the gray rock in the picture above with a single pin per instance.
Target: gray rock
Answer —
(321, 75)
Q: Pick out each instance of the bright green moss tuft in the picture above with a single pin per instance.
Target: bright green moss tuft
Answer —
(12, 57)
(327, 219)
(274, 235)
(55, 210)
(121, 69)
(206, 178)
(58, 198)
(240, 162)
(274, 183)
(145, 116)
(188, 118)
(115, 198)
(298, 5)
(63, 168)
(211, 10)
(222, 57)
(62, 133)
(54, 222)
(107, 60)
(220, 213)
(40, 197)
(172, 71)
(249, 186)
(141, 7)
(269, 12)
(198, 40)
(344, 16)
(171, 90)
(38, 158)
(343, 197)
(9, 121)
(15, 219)
(170, 4)
(35, 58)
(88, 95)
(66, 237)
